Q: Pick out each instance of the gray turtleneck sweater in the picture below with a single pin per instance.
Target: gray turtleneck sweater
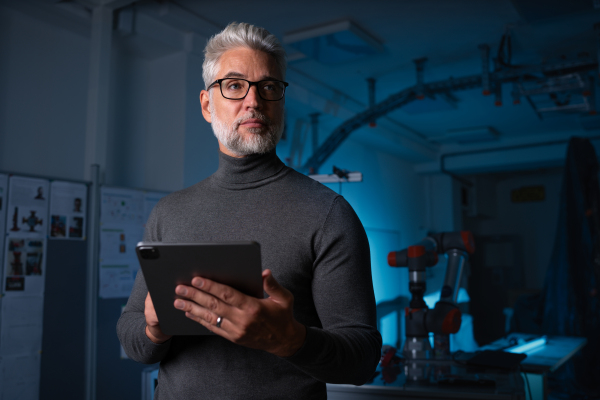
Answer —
(316, 247)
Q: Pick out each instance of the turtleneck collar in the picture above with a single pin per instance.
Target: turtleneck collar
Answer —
(247, 170)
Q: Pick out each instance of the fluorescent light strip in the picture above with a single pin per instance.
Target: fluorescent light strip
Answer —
(531, 345)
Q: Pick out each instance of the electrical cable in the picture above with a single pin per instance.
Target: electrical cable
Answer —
(526, 382)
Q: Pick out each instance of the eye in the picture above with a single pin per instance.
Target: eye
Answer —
(234, 85)
(269, 86)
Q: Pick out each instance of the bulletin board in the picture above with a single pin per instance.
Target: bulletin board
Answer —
(47, 223)
(123, 215)
(33, 212)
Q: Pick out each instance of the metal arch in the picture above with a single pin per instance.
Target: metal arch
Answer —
(341, 133)
(400, 99)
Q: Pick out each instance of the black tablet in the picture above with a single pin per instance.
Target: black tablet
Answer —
(166, 265)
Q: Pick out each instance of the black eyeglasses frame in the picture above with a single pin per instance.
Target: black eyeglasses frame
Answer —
(250, 83)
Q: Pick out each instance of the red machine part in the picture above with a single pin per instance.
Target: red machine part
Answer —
(388, 356)
(468, 241)
(452, 322)
(416, 251)
(392, 259)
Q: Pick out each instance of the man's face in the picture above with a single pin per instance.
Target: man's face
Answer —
(251, 125)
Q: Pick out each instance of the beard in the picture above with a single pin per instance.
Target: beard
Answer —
(259, 141)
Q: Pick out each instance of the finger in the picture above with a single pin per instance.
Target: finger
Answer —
(150, 312)
(202, 299)
(226, 294)
(204, 317)
(221, 331)
(273, 288)
(196, 312)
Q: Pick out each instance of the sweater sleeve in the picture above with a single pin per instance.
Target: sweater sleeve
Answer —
(348, 347)
(131, 327)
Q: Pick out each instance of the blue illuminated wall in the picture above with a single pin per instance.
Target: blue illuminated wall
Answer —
(397, 207)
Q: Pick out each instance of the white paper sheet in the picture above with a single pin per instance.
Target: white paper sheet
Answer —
(68, 210)
(123, 214)
(121, 206)
(27, 207)
(22, 324)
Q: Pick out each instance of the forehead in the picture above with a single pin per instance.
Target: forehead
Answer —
(250, 64)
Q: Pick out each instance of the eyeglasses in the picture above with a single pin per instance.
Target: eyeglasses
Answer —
(237, 88)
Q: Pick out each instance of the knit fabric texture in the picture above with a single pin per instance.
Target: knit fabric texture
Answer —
(316, 247)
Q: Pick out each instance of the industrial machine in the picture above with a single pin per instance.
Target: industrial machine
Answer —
(445, 318)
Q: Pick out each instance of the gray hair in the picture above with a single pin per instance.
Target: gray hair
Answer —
(240, 35)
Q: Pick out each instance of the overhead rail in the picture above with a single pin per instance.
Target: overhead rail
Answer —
(468, 183)
(490, 81)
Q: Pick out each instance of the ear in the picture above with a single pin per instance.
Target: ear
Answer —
(205, 103)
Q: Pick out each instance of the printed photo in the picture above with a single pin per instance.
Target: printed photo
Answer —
(34, 262)
(32, 221)
(76, 227)
(15, 263)
(58, 226)
(77, 205)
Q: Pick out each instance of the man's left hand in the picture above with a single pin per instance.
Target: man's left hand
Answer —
(266, 324)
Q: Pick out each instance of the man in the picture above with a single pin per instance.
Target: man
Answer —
(317, 323)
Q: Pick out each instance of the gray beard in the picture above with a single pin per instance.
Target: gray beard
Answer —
(258, 143)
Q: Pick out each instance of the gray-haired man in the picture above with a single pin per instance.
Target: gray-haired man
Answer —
(318, 323)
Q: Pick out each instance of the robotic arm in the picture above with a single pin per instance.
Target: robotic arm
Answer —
(445, 318)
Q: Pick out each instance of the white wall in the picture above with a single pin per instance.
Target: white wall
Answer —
(157, 138)
(128, 122)
(200, 147)
(43, 92)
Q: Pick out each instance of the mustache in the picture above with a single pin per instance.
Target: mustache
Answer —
(252, 115)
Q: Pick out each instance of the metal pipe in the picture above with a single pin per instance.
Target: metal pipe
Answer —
(498, 94)
(516, 93)
(371, 83)
(454, 271)
(420, 64)
(485, 68)
(91, 305)
(491, 150)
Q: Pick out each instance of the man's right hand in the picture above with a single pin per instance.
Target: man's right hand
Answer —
(152, 326)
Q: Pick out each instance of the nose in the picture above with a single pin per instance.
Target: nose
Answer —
(253, 99)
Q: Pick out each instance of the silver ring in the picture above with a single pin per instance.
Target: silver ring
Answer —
(219, 320)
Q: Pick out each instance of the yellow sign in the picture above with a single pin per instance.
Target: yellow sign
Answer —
(528, 194)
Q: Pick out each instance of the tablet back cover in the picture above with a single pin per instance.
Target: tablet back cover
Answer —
(237, 264)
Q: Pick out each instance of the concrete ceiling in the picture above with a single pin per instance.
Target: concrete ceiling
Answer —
(447, 32)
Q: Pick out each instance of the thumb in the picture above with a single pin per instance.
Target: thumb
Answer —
(272, 287)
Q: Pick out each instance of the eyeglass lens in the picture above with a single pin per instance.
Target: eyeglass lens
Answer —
(236, 89)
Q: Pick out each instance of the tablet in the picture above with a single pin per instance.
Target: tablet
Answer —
(166, 265)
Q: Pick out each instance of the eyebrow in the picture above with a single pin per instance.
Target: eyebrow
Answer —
(234, 74)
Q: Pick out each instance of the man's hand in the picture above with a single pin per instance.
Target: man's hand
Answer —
(265, 324)
(152, 327)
